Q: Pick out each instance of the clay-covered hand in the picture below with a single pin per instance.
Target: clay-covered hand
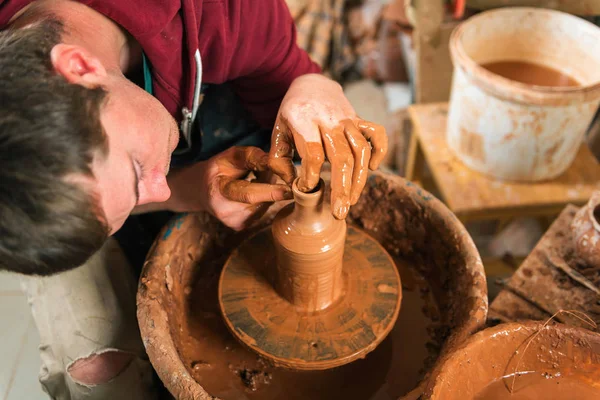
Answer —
(218, 185)
(317, 120)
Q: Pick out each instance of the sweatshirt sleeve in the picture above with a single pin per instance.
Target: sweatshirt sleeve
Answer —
(266, 58)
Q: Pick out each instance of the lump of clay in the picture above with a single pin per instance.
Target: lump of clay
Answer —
(585, 230)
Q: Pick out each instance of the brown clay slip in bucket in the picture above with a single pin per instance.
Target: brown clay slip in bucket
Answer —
(521, 361)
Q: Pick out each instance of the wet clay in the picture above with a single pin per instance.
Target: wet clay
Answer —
(229, 370)
(535, 386)
(530, 73)
(309, 250)
(305, 295)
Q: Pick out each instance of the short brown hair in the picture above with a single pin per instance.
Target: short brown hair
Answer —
(49, 130)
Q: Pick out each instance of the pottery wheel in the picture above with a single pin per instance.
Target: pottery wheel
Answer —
(345, 331)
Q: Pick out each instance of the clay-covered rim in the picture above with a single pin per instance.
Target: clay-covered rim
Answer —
(311, 198)
(594, 210)
(439, 378)
(512, 90)
(316, 192)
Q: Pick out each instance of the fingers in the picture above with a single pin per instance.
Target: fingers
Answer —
(312, 160)
(248, 158)
(362, 154)
(243, 191)
(379, 141)
(265, 177)
(340, 156)
(310, 149)
(282, 151)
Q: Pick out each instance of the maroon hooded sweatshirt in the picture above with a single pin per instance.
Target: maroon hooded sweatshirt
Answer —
(249, 43)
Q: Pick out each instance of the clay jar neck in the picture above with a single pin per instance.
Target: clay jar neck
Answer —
(309, 249)
(593, 210)
(310, 214)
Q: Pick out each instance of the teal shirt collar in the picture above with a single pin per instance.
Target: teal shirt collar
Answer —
(147, 75)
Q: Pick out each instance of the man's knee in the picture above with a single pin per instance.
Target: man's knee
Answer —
(100, 367)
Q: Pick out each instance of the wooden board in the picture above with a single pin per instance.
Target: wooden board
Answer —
(434, 66)
(538, 289)
(579, 7)
(471, 195)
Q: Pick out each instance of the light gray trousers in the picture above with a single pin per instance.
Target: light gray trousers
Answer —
(90, 342)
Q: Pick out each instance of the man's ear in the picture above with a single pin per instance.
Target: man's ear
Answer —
(77, 65)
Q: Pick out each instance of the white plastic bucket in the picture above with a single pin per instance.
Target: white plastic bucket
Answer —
(511, 130)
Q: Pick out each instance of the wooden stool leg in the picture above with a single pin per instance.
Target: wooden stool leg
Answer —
(415, 160)
(546, 220)
(502, 223)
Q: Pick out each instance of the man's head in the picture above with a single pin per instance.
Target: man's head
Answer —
(80, 145)
(49, 130)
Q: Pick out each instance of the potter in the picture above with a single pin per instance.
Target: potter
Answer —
(108, 112)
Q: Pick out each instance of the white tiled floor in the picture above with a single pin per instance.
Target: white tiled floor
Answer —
(19, 357)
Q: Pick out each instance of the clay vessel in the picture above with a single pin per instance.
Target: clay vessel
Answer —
(518, 358)
(585, 230)
(491, 118)
(309, 245)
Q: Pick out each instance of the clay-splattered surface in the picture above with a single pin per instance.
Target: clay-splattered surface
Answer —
(184, 334)
(471, 194)
(539, 288)
(522, 358)
(542, 386)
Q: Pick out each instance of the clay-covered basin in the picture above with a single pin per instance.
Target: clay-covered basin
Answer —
(444, 301)
(527, 360)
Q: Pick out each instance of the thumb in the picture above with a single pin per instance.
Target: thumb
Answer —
(243, 191)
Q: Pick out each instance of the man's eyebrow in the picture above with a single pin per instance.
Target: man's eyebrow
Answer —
(137, 183)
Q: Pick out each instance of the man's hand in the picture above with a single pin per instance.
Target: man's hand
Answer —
(317, 120)
(218, 186)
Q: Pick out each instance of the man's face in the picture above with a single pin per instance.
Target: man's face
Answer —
(141, 137)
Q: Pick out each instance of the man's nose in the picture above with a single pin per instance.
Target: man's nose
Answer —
(154, 188)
